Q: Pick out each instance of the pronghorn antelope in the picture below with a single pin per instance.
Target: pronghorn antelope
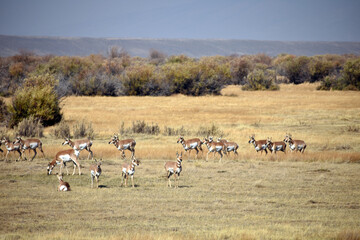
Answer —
(29, 144)
(129, 170)
(10, 147)
(276, 146)
(174, 168)
(297, 145)
(95, 172)
(191, 144)
(122, 145)
(230, 146)
(62, 158)
(260, 145)
(63, 186)
(80, 145)
(214, 147)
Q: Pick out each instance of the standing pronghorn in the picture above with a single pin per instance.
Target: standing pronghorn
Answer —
(230, 146)
(62, 158)
(214, 147)
(129, 170)
(29, 144)
(122, 145)
(190, 144)
(174, 168)
(276, 146)
(297, 145)
(260, 145)
(63, 186)
(95, 172)
(80, 145)
(10, 147)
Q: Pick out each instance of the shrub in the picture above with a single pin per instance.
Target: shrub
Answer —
(260, 80)
(168, 131)
(83, 129)
(30, 127)
(143, 127)
(351, 74)
(136, 78)
(213, 130)
(329, 82)
(38, 99)
(4, 113)
(240, 68)
(62, 130)
(319, 68)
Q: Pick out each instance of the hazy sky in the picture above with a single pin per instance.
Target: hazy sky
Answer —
(294, 20)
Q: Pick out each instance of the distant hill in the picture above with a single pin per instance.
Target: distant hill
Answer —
(10, 45)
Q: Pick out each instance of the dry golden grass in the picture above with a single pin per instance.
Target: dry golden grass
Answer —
(325, 120)
(314, 195)
(236, 200)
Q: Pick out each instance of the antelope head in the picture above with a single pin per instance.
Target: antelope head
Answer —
(17, 140)
(135, 161)
(252, 138)
(50, 167)
(114, 139)
(67, 141)
(269, 141)
(180, 139)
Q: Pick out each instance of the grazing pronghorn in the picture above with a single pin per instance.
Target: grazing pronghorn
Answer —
(190, 144)
(174, 168)
(129, 170)
(80, 145)
(260, 145)
(230, 146)
(297, 145)
(63, 186)
(29, 144)
(276, 146)
(62, 158)
(122, 145)
(95, 172)
(215, 147)
(11, 147)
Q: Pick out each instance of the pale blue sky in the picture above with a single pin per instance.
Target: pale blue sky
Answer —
(288, 20)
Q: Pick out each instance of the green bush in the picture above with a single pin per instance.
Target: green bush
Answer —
(349, 78)
(260, 80)
(351, 74)
(38, 99)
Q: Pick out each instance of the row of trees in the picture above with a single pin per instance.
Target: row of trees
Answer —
(119, 74)
(37, 83)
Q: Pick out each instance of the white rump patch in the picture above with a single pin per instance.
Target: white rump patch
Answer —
(82, 146)
(193, 145)
(65, 158)
(33, 145)
(63, 188)
(125, 146)
(230, 148)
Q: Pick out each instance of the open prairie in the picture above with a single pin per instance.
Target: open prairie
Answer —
(314, 195)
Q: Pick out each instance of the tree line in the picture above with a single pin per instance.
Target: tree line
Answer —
(37, 83)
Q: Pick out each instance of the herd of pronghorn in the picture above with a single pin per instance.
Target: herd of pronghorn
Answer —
(221, 146)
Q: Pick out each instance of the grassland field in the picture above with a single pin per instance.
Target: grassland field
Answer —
(314, 195)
